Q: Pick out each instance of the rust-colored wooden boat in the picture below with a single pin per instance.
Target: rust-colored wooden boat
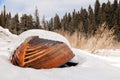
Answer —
(40, 53)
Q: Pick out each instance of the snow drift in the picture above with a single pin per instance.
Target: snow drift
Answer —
(90, 67)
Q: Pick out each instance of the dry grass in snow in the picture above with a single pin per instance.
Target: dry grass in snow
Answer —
(103, 39)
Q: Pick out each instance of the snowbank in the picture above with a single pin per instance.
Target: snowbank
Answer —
(5, 35)
(90, 67)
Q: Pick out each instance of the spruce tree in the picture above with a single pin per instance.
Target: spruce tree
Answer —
(119, 14)
(37, 21)
(108, 14)
(115, 13)
(23, 22)
(57, 22)
(103, 18)
(64, 23)
(8, 21)
(68, 22)
(30, 22)
(4, 16)
(15, 24)
(51, 25)
(91, 21)
(97, 9)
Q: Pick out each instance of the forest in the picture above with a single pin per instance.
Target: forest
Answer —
(85, 21)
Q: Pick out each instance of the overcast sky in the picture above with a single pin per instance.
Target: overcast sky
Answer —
(47, 8)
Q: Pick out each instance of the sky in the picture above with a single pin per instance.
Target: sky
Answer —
(47, 8)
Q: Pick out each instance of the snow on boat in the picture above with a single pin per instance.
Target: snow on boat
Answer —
(41, 53)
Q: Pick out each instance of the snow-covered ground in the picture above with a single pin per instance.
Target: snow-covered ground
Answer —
(90, 67)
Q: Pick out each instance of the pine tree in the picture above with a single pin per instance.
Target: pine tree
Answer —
(115, 12)
(91, 21)
(51, 24)
(117, 30)
(108, 14)
(0, 19)
(115, 5)
(119, 14)
(37, 21)
(57, 22)
(63, 22)
(67, 25)
(85, 21)
(3, 17)
(80, 24)
(8, 21)
(44, 23)
(30, 22)
(97, 8)
(15, 24)
(103, 18)
(23, 23)
(74, 22)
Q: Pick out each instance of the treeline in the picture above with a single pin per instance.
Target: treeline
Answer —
(85, 21)
(18, 24)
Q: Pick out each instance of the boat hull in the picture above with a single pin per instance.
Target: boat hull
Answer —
(40, 53)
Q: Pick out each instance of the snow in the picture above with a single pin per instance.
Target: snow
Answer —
(90, 66)
(113, 56)
(44, 34)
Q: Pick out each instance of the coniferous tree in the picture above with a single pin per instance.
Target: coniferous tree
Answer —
(103, 18)
(119, 14)
(73, 22)
(91, 21)
(8, 21)
(57, 22)
(85, 21)
(51, 24)
(44, 23)
(30, 22)
(108, 14)
(23, 23)
(2, 19)
(63, 22)
(68, 22)
(15, 24)
(37, 21)
(117, 27)
(97, 8)
(4, 16)
(115, 13)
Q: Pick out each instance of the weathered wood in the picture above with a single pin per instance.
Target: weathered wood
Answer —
(41, 53)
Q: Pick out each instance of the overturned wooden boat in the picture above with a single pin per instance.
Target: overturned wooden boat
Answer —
(40, 53)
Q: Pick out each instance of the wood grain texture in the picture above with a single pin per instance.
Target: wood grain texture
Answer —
(40, 53)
